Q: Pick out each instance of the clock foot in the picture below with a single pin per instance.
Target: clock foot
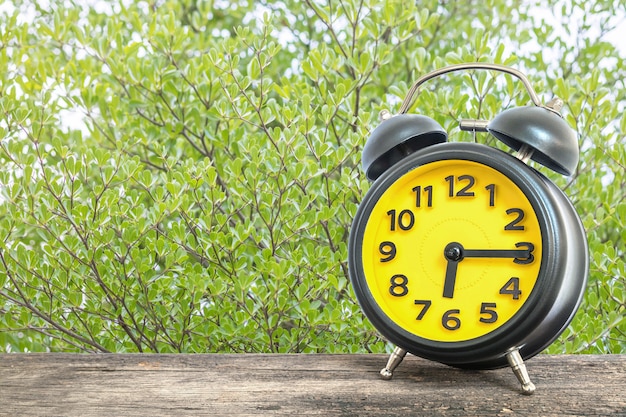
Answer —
(519, 369)
(394, 360)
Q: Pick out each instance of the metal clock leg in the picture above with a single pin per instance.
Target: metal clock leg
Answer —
(396, 357)
(519, 369)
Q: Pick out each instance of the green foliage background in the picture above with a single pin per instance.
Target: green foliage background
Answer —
(180, 176)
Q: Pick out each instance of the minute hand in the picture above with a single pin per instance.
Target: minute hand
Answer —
(519, 255)
(496, 253)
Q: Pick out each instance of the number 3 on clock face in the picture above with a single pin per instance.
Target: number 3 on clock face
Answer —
(451, 250)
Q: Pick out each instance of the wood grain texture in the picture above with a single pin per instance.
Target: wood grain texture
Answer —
(297, 385)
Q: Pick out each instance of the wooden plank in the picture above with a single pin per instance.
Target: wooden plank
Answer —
(296, 385)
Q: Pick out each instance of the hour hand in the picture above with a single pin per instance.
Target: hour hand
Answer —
(453, 253)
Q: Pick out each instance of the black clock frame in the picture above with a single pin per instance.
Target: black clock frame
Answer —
(560, 284)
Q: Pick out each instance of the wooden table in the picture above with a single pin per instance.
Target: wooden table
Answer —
(297, 385)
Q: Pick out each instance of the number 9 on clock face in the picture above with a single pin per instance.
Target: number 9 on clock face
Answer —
(451, 250)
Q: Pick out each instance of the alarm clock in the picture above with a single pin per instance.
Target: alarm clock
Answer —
(463, 253)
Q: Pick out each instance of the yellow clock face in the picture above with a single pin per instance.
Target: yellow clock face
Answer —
(452, 250)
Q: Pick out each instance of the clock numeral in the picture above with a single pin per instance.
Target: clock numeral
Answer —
(425, 306)
(449, 321)
(492, 194)
(405, 220)
(530, 248)
(466, 181)
(398, 287)
(515, 224)
(511, 288)
(488, 310)
(428, 190)
(387, 249)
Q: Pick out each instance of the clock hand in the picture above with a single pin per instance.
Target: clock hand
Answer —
(454, 254)
(495, 253)
(520, 256)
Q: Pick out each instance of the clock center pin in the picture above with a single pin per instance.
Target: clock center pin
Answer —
(453, 252)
